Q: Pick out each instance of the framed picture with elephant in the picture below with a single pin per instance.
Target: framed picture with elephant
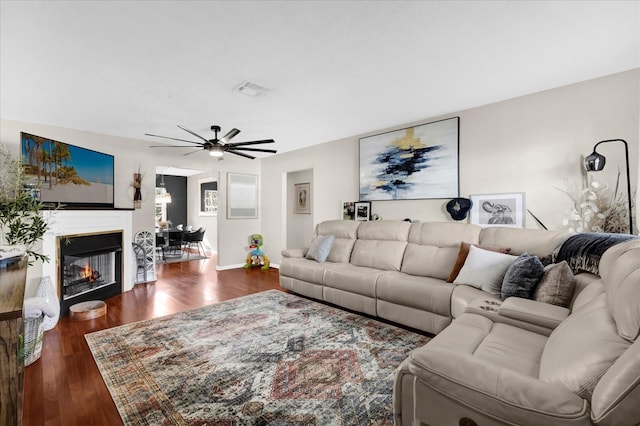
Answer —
(498, 210)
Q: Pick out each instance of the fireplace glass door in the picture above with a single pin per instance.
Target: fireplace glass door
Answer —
(82, 274)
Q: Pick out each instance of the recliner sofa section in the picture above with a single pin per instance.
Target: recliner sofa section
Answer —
(587, 371)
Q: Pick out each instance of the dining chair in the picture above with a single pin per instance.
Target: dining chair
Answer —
(195, 237)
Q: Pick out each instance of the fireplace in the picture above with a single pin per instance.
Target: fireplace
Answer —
(90, 267)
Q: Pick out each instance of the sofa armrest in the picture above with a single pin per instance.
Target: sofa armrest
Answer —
(295, 252)
(481, 384)
(538, 313)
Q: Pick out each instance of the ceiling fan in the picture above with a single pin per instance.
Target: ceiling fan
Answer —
(217, 147)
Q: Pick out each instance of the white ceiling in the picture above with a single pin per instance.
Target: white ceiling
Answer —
(336, 69)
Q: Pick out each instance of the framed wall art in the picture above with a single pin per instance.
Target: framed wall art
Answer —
(362, 210)
(498, 210)
(418, 162)
(302, 203)
(208, 197)
(242, 196)
(348, 210)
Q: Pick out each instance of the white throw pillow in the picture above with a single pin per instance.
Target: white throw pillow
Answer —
(320, 247)
(485, 270)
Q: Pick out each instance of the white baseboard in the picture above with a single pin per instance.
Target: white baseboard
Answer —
(226, 267)
(241, 265)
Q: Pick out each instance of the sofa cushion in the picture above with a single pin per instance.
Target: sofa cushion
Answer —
(345, 233)
(512, 347)
(536, 242)
(463, 252)
(556, 285)
(620, 272)
(428, 261)
(387, 230)
(484, 269)
(305, 269)
(354, 279)
(320, 247)
(381, 245)
(521, 278)
(581, 349)
(433, 247)
(429, 294)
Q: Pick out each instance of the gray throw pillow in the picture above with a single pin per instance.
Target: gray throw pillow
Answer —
(320, 247)
(556, 285)
(522, 277)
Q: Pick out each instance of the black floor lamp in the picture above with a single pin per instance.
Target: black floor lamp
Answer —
(595, 162)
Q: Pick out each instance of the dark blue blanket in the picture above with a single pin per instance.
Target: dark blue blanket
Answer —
(583, 251)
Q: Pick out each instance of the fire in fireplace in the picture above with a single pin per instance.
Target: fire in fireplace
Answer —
(82, 274)
(90, 268)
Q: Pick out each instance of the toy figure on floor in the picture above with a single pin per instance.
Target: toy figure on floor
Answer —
(256, 257)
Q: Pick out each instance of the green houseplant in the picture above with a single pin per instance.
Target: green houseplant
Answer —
(21, 226)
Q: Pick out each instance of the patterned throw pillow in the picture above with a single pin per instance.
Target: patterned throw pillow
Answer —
(464, 252)
(522, 277)
(556, 285)
(320, 248)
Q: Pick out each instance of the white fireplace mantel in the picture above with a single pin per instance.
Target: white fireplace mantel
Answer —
(73, 222)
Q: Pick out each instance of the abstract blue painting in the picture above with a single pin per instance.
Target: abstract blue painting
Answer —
(418, 162)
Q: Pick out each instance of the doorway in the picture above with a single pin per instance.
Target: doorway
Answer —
(299, 208)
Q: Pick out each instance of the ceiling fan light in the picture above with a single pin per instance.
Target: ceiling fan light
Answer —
(216, 151)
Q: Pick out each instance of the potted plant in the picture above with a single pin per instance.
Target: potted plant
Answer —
(21, 225)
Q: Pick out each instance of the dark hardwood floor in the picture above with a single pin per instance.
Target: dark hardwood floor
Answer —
(64, 387)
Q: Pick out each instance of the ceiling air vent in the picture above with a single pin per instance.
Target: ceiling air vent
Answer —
(250, 89)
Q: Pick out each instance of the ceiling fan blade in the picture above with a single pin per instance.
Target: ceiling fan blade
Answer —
(252, 142)
(192, 152)
(230, 135)
(240, 154)
(173, 139)
(233, 148)
(193, 133)
(174, 146)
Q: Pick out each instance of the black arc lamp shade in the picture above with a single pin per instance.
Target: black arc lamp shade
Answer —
(595, 162)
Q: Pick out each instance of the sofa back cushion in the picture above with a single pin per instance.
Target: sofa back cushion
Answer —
(536, 242)
(381, 244)
(620, 272)
(345, 233)
(582, 348)
(433, 247)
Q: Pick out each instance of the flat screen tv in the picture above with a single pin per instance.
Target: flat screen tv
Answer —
(66, 174)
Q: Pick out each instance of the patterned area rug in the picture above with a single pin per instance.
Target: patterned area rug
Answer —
(269, 358)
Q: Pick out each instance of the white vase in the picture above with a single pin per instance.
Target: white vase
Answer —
(48, 293)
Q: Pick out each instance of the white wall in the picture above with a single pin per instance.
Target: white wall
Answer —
(533, 144)
(299, 226)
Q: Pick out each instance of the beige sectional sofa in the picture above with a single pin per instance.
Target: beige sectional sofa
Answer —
(492, 362)
(397, 270)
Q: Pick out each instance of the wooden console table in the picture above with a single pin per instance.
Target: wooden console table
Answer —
(12, 283)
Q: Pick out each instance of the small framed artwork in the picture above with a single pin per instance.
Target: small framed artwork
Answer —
(302, 203)
(363, 210)
(498, 210)
(242, 196)
(208, 197)
(349, 210)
